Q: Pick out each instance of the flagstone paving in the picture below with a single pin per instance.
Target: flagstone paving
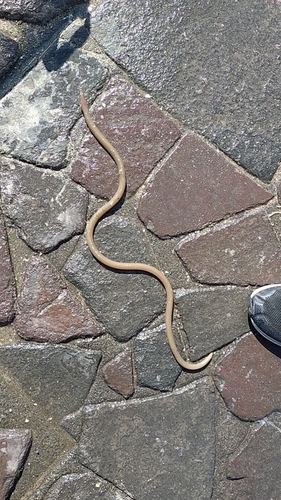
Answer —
(92, 402)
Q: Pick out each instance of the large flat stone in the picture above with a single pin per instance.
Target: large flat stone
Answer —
(154, 448)
(254, 472)
(38, 113)
(248, 378)
(84, 486)
(46, 207)
(37, 11)
(197, 185)
(14, 447)
(124, 302)
(57, 377)
(154, 362)
(245, 252)
(47, 311)
(7, 281)
(139, 131)
(213, 65)
(213, 317)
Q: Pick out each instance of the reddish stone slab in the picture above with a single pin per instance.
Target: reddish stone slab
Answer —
(244, 253)
(47, 311)
(255, 471)
(14, 447)
(7, 281)
(139, 131)
(249, 379)
(118, 374)
(196, 185)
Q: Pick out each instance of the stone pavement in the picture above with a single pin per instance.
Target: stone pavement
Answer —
(92, 403)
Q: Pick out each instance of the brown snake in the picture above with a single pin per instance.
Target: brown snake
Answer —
(131, 266)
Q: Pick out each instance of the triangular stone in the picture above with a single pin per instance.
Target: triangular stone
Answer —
(14, 447)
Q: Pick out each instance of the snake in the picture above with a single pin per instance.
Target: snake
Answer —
(131, 266)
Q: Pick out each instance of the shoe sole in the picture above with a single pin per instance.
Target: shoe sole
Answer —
(255, 292)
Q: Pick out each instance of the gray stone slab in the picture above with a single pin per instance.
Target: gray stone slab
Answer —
(46, 207)
(154, 448)
(84, 486)
(124, 302)
(154, 362)
(214, 65)
(213, 317)
(38, 113)
(58, 377)
(37, 11)
(9, 54)
(14, 447)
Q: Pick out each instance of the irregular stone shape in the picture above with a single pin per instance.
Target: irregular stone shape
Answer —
(73, 423)
(84, 486)
(124, 302)
(194, 187)
(154, 362)
(139, 131)
(14, 447)
(58, 377)
(209, 65)
(249, 379)
(255, 471)
(118, 374)
(37, 11)
(213, 317)
(9, 54)
(245, 252)
(37, 115)
(47, 208)
(47, 311)
(157, 447)
(7, 281)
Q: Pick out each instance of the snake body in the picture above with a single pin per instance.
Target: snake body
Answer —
(131, 266)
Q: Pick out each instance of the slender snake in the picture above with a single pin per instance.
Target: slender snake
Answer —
(131, 266)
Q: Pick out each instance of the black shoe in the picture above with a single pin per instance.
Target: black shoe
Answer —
(265, 312)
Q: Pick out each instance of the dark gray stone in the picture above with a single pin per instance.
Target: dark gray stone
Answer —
(7, 280)
(154, 362)
(35, 11)
(254, 472)
(124, 302)
(157, 447)
(46, 207)
(37, 115)
(58, 377)
(9, 54)
(213, 65)
(213, 317)
(14, 447)
(84, 486)
(47, 311)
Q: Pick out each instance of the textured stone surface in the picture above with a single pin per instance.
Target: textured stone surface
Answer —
(213, 317)
(14, 447)
(36, 116)
(118, 374)
(58, 377)
(47, 311)
(195, 186)
(36, 11)
(46, 207)
(84, 486)
(139, 131)
(154, 362)
(255, 471)
(126, 302)
(246, 252)
(213, 65)
(7, 282)
(147, 447)
(249, 379)
(9, 54)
